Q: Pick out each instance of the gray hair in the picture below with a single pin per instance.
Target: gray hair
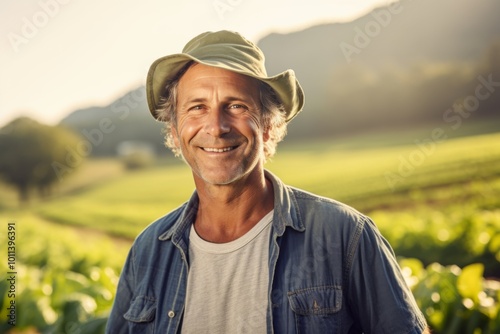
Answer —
(273, 115)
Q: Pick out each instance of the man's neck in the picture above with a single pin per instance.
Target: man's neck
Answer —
(227, 212)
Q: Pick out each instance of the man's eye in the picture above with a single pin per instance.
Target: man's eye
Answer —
(238, 107)
(195, 108)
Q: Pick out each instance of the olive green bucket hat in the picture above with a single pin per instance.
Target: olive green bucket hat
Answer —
(227, 50)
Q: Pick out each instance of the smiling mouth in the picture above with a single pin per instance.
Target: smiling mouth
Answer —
(218, 150)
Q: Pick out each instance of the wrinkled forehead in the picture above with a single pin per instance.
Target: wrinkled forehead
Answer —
(204, 76)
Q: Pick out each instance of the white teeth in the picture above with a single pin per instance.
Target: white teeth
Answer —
(218, 150)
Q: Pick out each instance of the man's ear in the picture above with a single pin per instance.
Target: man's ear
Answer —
(265, 135)
(175, 135)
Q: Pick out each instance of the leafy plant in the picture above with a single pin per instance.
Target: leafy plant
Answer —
(454, 300)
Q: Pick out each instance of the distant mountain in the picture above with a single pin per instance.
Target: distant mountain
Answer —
(409, 63)
(404, 34)
(126, 119)
(403, 63)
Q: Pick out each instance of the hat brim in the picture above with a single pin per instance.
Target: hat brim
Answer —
(166, 68)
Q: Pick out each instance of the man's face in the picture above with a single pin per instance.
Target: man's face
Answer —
(219, 124)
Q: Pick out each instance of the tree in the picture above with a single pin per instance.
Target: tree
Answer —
(28, 151)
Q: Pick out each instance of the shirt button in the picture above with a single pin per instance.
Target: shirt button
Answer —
(171, 314)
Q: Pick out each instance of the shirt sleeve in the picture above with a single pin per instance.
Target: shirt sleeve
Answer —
(378, 295)
(116, 322)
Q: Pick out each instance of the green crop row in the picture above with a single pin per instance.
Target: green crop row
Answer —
(57, 280)
(465, 230)
(51, 300)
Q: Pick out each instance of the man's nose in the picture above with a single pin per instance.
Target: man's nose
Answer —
(217, 122)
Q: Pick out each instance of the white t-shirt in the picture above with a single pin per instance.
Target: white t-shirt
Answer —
(227, 287)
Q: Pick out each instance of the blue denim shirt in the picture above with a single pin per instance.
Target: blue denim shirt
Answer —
(330, 272)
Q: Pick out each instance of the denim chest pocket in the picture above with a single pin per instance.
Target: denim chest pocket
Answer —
(141, 315)
(317, 309)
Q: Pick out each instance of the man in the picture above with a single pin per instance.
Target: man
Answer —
(248, 254)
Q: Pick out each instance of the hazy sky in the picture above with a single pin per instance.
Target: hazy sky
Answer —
(60, 55)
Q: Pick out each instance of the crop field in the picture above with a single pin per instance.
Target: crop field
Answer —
(437, 202)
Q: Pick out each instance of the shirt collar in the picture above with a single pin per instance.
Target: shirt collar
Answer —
(286, 212)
